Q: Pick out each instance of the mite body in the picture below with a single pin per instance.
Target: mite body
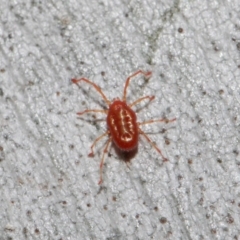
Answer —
(123, 128)
(122, 125)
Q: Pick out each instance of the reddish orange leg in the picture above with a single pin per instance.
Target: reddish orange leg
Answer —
(153, 144)
(91, 154)
(92, 110)
(141, 99)
(146, 74)
(98, 89)
(157, 120)
(102, 161)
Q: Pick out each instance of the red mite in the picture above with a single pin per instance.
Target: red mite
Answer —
(123, 128)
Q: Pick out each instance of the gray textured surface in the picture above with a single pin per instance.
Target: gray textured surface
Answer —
(48, 185)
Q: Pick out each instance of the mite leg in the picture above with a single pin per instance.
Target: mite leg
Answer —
(93, 110)
(98, 89)
(91, 154)
(141, 99)
(102, 160)
(157, 120)
(146, 74)
(153, 144)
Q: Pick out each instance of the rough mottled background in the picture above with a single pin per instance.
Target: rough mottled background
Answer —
(48, 185)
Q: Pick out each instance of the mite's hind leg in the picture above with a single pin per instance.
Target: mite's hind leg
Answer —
(91, 154)
(102, 160)
(153, 144)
